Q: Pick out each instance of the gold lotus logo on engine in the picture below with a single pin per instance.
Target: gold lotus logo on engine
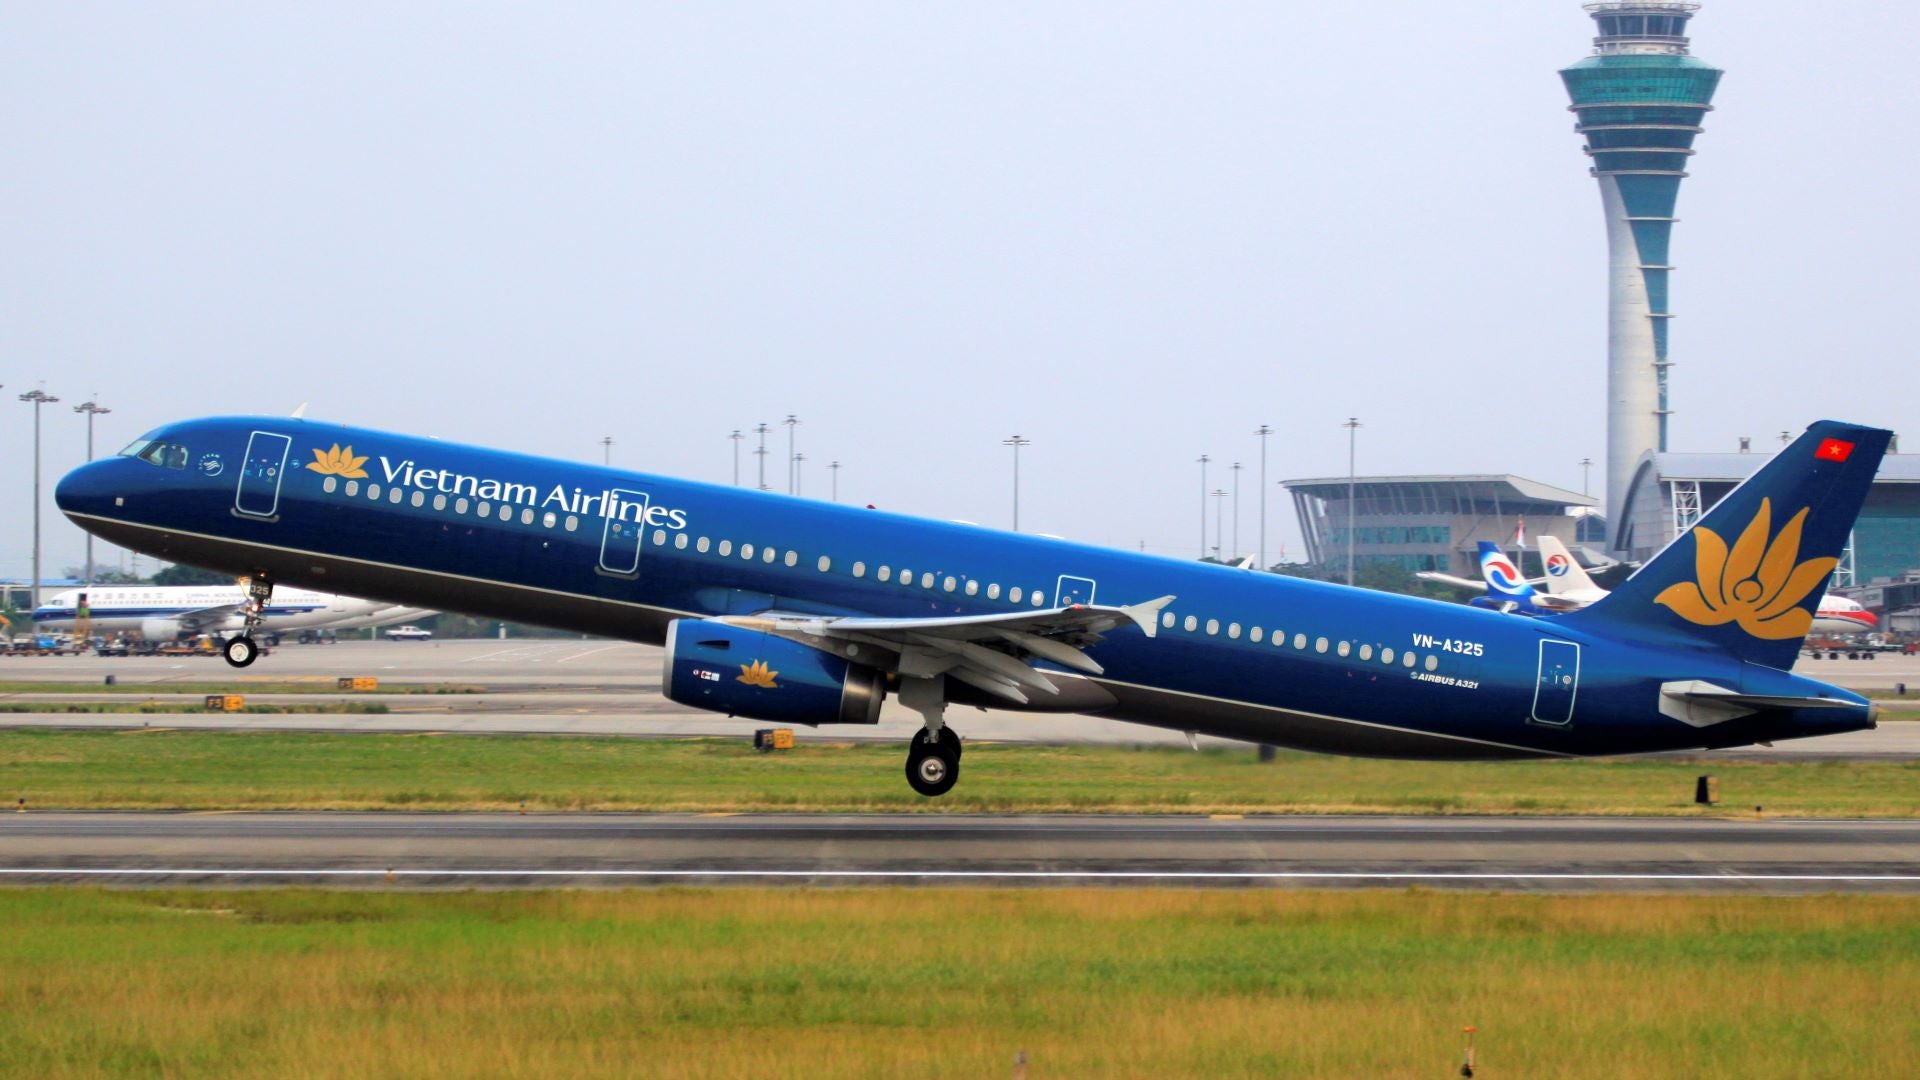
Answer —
(338, 462)
(1758, 584)
(756, 674)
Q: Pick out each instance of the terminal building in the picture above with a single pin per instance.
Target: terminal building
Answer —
(1436, 522)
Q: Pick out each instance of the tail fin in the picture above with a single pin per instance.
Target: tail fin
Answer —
(1503, 578)
(1745, 579)
(1564, 575)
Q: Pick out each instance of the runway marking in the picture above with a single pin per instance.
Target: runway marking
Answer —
(590, 652)
(961, 875)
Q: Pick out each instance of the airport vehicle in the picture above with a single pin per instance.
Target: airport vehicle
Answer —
(165, 612)
(409, 633)
(1570, 589)
(796, 611)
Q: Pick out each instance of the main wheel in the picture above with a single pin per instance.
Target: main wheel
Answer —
(949, 743)
(931, 771)
(240, 651)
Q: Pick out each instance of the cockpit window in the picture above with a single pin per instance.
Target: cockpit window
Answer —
(168, 455)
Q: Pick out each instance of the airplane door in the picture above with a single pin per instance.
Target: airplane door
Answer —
(261, 473)
(1073, 590)
(626, 527)
(1557, 683)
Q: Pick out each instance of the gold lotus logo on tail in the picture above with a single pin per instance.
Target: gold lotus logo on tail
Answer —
(1758, 584)
(338, 462)
(756, 674)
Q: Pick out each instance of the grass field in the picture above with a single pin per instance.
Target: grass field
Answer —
(161, 707)
(162, 769)
(929, 983)
(240, 685)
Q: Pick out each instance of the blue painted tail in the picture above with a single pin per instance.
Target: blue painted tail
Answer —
(1746, 578)
(1503, 578)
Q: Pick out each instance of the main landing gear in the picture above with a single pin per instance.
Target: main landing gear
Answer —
(240, 649)
(933, 761)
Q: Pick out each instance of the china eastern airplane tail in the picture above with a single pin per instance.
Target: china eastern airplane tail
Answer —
(790, 610)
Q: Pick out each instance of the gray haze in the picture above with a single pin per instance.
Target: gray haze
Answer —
(1129, 232)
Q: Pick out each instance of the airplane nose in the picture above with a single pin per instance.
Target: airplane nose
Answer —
(86, 489)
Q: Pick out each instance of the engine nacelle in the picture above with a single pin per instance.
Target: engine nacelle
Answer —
(741, 672)
(160, 629)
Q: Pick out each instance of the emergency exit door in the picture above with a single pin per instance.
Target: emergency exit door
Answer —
(261, 473)
(1557, 683)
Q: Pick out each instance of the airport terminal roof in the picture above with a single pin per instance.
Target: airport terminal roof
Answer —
(1894, 468)
(1504, 488)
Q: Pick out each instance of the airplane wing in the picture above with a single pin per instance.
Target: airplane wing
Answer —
(193, 622)
(990, 652)
(1449, 579)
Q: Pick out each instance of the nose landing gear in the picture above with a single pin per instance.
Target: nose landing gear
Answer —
(240, 649)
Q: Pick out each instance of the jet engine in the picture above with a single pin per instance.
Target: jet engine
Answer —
(158, 630)
(742, 672)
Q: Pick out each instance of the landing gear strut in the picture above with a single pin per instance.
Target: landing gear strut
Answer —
(240, 649)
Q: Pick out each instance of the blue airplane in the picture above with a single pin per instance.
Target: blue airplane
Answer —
(797, 611)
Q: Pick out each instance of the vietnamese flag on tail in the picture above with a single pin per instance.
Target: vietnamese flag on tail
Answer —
(1833, 450)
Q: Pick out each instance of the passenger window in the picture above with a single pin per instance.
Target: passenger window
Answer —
(768, 554)
(1039, 598)
(825, 564)
(886, 573)
(726, 547)
(1432, 663)
(394, 495)
(1319, 645)
(1366, 652)
(1233, 630)
(485, 509)
(506, 512)
(926, 580)
(1167, 619)
(418, 499)
(701, 545)
(659, 538)
(1213, 627)
(993, 590)
(973, 587)
(1254, 635)
(906, 576)
(526, 518)
(949, 585)
(1299, 641)
(1344, 648)
(1406, 660)
(329, 484)
(859, 569)
(1190, 624)
(439, 501)
(793, 559)
(353, 487)
(679, 539)
(459, 505)
(1014, 594)
(1386, 654)
(373, 491)
(574, 523)
(746, 551)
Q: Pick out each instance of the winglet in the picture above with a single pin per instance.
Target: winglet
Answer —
(1147, 615)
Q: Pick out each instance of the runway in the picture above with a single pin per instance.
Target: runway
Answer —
(543, 850)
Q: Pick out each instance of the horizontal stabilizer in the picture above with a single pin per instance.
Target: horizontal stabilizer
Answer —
(1702, 704)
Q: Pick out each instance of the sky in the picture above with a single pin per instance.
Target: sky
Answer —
(1131, 233)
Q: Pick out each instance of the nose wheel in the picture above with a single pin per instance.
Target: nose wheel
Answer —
(241, 649)
(933, 762)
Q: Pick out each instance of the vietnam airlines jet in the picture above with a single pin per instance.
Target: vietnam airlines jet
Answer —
(166, 612)
(790, 610)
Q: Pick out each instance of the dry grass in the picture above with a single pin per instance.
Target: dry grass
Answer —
(937, 983)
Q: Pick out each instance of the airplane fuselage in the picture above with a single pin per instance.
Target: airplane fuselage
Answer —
(1239, 654)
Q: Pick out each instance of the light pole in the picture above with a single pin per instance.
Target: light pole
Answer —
(37, 398)
(606, 450)
(736, 437)
(798, 460)
(762, 452)
(1236, 509)
(792, 422)
(92, 409)
(1263, 431)
(834, 468)
(1016, 442)
(1219, 505)
(1586, 466)
(1352, 425)
(1203, 504)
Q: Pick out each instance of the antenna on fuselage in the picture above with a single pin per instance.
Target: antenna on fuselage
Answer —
(301, 412)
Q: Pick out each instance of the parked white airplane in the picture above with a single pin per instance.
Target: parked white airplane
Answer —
(166, 612)
(1568, 588)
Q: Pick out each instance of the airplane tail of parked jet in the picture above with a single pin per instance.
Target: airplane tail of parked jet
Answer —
(1505, 587)
(1746, 579)
(1565, 576)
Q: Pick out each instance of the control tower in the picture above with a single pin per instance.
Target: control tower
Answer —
(1640, 99)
